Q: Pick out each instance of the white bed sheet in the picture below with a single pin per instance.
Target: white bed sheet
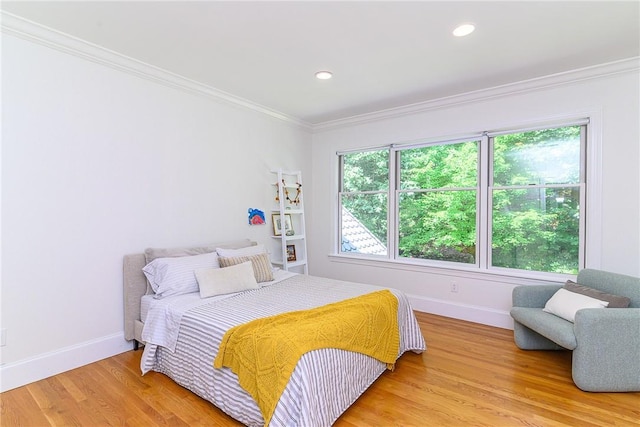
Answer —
(163, 316)
(145, 303)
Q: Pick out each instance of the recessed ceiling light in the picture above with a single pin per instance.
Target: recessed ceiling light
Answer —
(464, 30)
(324, 75)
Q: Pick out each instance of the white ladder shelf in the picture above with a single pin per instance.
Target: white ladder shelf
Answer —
(288, 226)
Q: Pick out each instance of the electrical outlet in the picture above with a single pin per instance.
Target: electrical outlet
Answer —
(3, 337)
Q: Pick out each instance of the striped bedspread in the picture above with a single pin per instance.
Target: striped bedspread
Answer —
(324, 383)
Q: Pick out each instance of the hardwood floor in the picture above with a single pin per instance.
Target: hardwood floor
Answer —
(470, 375)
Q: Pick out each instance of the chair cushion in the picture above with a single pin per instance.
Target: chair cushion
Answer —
(548, 325)
(615, 301)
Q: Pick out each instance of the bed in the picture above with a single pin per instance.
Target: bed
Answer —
(182, 335)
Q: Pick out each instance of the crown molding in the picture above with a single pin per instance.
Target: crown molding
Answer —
(19, 27)
(31, 31)
(629, 65)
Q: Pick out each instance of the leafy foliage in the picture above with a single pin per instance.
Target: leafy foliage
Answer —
(367, 172)
(438, 220)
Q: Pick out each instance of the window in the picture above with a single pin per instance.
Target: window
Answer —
(535, 198)
(436, 202)
(497, 201)
(364, 200)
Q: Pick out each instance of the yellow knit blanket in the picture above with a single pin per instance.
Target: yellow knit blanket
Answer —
(263, 353)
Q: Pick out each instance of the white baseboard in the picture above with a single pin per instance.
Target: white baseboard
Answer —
(471, 313)
(17, 374)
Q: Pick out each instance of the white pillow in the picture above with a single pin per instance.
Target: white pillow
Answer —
(220, 281)
(248, 251)
(565, 304)
(175, 276)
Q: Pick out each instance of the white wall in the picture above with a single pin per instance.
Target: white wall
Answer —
(98, 163)
(613, 104)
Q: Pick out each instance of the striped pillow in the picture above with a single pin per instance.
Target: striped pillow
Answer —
(260, 263)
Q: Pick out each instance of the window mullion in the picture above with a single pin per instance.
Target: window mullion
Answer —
(582, 254)
(392, 209)
(581, 241)
(338, 242)
(485, 172)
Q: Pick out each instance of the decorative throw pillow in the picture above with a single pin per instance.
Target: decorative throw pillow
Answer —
(615, 301)
(220, 281)
(565, 304)
(261, 265)
(175, 276)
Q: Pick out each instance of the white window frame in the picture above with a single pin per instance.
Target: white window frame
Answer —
(590, 218)
(341, 193)
(396, 191)
(581, 185)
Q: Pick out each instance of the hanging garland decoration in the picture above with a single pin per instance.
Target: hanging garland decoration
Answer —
(295, 200)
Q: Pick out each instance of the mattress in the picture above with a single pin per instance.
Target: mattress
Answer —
(324, 383)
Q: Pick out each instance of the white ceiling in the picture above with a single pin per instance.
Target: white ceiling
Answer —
(382, 54)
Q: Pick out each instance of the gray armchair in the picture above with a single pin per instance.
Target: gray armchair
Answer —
(605, 342)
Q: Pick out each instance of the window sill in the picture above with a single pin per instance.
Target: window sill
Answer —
(520, 277)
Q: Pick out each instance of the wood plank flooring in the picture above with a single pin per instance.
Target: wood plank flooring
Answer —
(470, 375)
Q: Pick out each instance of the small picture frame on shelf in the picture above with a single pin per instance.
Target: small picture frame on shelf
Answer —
(291, 253)
(277, 225)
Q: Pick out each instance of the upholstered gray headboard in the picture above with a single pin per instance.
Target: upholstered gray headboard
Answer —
(135, 282)
(135, 287)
